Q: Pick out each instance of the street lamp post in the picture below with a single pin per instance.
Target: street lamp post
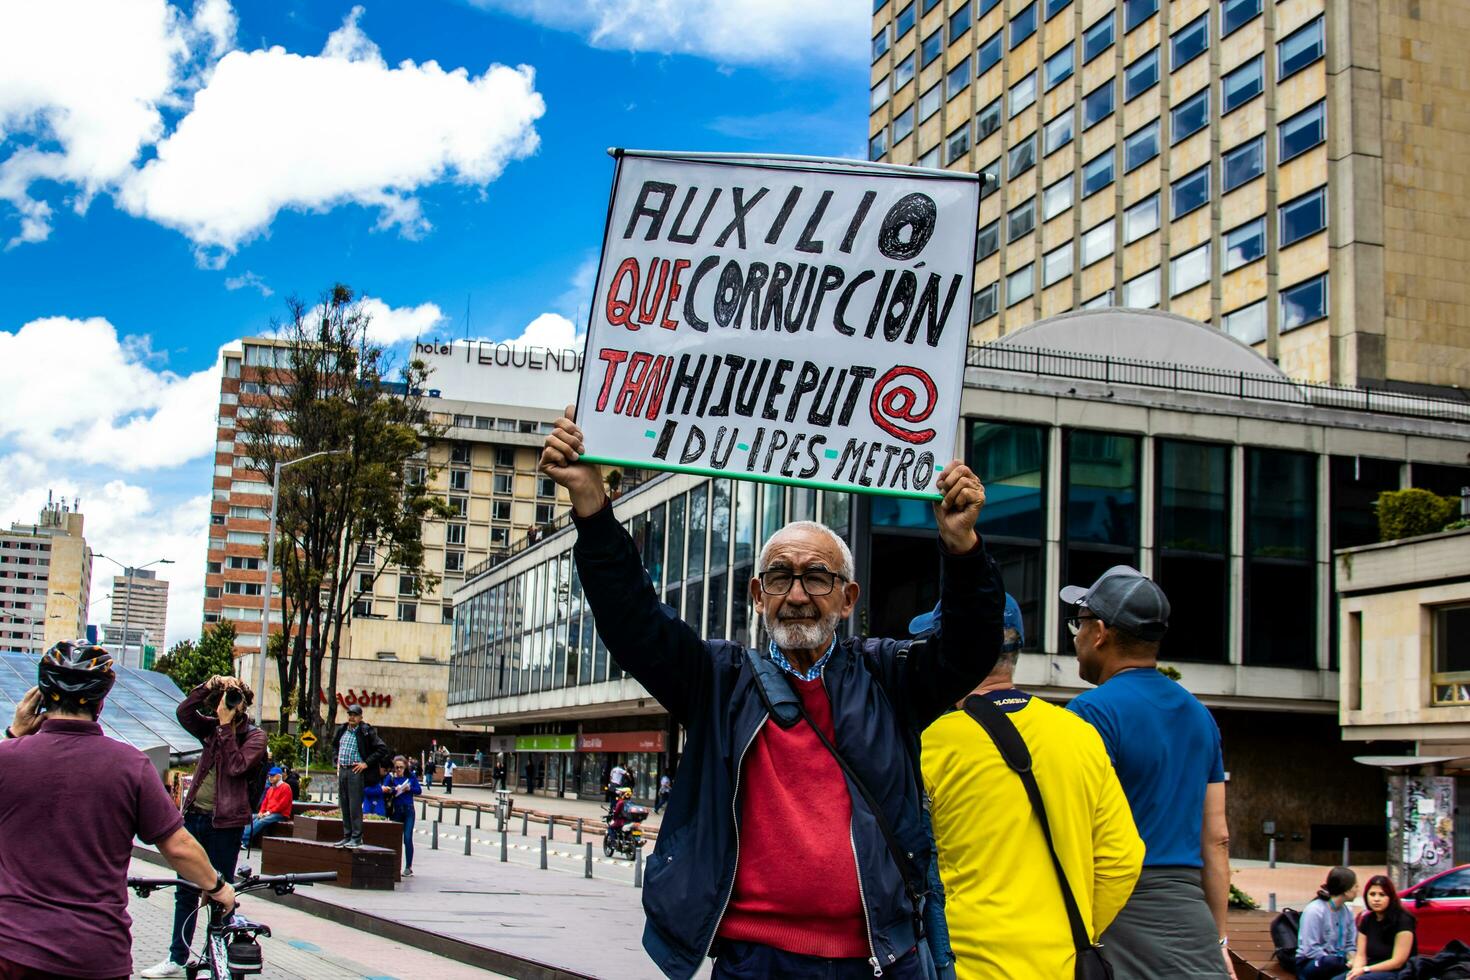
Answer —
(270, 564)
(128, 571)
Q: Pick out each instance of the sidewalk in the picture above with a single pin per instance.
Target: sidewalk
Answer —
(1294, 884)
(591, 810)
(301, 946)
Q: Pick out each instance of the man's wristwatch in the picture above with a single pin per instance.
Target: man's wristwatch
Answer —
(219, 884)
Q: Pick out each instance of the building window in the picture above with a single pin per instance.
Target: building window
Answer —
(930, 160)
(1189, 270)
(1058, 132)
(454, 533)
(930, 101)
(985, 305)
(1097, 38)
(500, 510)
(364, 581)
(1054, 7)
(454, 561)
(1023, 25)
(958, 143)
(458, 480)
(545, 513)
(1242, 85)
(880, 43)
(218, 520)
(505, 456)
(878, 144)
(1056, 265)
(408, 612)
(1097, 105)
(1302, 217)
(1100, 474)
(1023, 93)
(904, 22)
(1097, 173)
(499, 537)
(1141, 219)
(932, 47)
(408, 585)
(459, 506)
(1189, 42)
(1243, 164)
(992, 170)
(1189, 116)
(254, 564)
(987, 240)
(1135, 12)
(1281, 550)
(1451, 632)
(1141, 75)
(211, 592)
(1304, 303)
(1301, 132)
(1014, 459)
(1021, 158)
(1299, 49)
(1190, 192)
(1101, 301)
(987, 120)
(1056, 198)
(1021, 221)
(1097, 243)
(987, 56)
(212, 568)
(880, 94)
(1141, 147)
(1142, 292)
(1059, 67)
(1020, 284)
(459, 452)
(501, 483)
(545, 486)
(1247, 324)
(1192, 544)
(959, 22)
(1235, 14)
(1245, 244)
(903, 124)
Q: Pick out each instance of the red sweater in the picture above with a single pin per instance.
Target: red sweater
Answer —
(796, 885)
(277, 799)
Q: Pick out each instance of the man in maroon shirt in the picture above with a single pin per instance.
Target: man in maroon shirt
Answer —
(71, 802)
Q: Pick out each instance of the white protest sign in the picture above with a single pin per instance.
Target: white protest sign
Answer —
(790, 320)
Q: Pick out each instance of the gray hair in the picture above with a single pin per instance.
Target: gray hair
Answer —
(847, 570)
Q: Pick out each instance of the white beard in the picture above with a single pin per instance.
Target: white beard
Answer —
(801, 636)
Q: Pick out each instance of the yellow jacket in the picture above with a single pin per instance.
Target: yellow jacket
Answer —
(1003, 902)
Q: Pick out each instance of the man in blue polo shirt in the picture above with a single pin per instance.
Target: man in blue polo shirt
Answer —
(1166, 750)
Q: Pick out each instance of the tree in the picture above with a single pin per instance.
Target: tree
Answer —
(191, 664)
(332, 389)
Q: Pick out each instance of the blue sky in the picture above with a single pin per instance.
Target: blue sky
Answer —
(169, 173)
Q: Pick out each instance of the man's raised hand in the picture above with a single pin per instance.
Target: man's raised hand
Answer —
(561, 456)
(956, 514)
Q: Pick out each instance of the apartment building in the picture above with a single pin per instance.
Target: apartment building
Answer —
(1292, 173)
(45, 579)
(140, 601)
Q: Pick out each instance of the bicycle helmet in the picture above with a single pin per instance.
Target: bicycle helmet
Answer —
(78, 671)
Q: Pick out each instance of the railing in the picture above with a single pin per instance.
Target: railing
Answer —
(1231, 384)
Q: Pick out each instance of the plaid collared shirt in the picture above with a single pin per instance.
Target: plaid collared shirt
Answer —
(810, 675)
(348, 753)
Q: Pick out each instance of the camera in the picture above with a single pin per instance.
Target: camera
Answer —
(234, 698)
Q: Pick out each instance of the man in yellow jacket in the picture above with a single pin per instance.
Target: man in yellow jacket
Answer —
(1003, 901)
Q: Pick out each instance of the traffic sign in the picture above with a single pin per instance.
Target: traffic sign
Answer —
(308, 739)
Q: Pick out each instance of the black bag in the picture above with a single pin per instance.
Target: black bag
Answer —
(1284, 929)
(1090, 962)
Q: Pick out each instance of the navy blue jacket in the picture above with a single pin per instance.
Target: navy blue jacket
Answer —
(881, 697)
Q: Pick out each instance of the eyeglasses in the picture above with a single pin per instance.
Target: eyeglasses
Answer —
(1074, 623)
(814, 581)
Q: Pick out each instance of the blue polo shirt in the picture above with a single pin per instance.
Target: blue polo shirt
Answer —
(1165, 747)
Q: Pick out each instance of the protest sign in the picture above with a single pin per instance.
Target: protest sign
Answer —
(791, 320)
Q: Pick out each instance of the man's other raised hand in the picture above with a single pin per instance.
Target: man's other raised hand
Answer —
(561, 457)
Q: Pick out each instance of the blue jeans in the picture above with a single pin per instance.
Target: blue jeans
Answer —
(753, 961)
(407, 817)
(257, 825)
(223, 847)
(1320, 967)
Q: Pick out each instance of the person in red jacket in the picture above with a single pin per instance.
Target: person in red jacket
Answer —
(275, 806)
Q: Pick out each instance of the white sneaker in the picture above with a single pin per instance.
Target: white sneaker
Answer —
(168, 968)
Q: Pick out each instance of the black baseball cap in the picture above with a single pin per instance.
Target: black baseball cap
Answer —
(1126, 598)
(355, 709)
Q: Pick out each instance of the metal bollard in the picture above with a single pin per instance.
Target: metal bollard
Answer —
(543, 854)
(637, 867)
(478, 811)
(550, 827)
(434, 839)
(423, 809)
(503, 848)
(588, 872)
(525, 824)
(441, 809)
(1271, 852)
(467, 836)
(579, 831)
(1271, 902)
(1345, 853)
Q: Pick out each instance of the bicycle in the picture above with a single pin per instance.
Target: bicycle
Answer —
(231, 949)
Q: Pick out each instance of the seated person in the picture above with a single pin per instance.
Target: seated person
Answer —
(1385, 934)
(275, 806)
(1327, 934)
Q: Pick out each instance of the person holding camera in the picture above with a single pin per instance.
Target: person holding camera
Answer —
(218, 807)
(361, 757)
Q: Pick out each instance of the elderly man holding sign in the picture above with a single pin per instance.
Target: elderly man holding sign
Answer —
(793, 845)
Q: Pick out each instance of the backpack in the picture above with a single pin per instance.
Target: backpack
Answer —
(1284, 930)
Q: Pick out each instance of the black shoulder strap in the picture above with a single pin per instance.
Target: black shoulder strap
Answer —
(1013, 749)
(776, 694)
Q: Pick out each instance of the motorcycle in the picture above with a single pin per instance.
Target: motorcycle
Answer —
(626, 839)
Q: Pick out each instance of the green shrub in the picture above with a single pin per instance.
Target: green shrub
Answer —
(1459, 525)
(283, 749)
(1240, 900)
(1409, 513)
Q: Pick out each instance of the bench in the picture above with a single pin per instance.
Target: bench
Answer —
(1251, 947)
(362, 867)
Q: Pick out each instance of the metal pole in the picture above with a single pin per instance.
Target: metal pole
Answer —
(550, 827)
(423, 809)
(478, 811)
(1271, 902)
(579, 831)
(434, 840)
(1345, 852)
(467, 836)
(525, 824)
(1271, 855)
(456, 815)
(265, 619)
(588, 872)
(543, 854)
(637, 867)
(441, 809)
(503, 846)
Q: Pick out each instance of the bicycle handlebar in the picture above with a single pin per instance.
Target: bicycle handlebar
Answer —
(254, 883)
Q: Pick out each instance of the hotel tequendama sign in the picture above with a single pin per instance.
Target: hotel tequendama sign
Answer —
(786, 319)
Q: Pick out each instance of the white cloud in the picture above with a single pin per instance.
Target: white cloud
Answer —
(73, 391)
(782, 33)
(393, 325)
(548, 330)
(251, 280)
(261, 131)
